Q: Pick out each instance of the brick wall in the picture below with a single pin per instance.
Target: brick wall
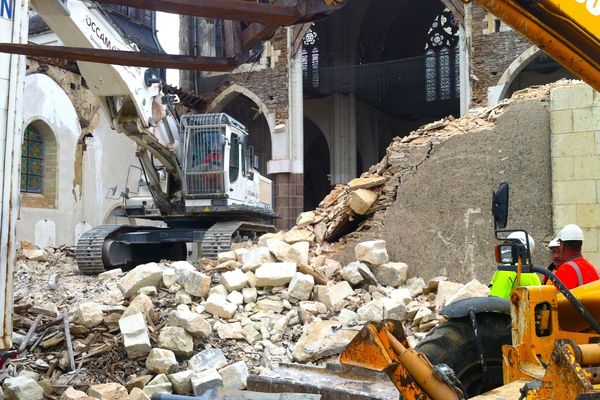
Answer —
(492, 53)
(575, 124)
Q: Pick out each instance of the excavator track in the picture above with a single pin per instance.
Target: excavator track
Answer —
(219, 237)
(88, 252)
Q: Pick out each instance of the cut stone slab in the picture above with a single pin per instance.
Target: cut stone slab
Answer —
(362, 200)
(234, 280)
(334, 295)
(88, 314)
(275, 274)
(235, 375)
(108, 391)
(301, 286)
(197, 284)
(193, 323)
(366, 183)
(135, 335)
(218, 305)
(391, 273)
(207, 359)
(271, 305)
(250, 295)
(255, 258)
(139, 277)
(373, 252)
(182, 382)
(205, 380)
(321, 339)
(22, 388)
(177, 340)
(297, 234)
(161, 361)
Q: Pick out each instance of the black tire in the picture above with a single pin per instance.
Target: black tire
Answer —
(453, 343)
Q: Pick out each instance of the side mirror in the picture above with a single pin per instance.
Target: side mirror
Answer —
(500, 206)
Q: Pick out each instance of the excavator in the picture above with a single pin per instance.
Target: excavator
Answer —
(199, 175)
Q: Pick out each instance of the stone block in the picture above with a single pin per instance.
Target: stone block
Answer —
(300, 253)
(255, 258)
(108, 391)
(306, 218)
(139, 277)
(219, 289)
(445, 291)
(569, 97)
(182, 382)
(197, 284)
(232, 331)
(269, 305)
(149, 291)
(161, 361)
(205, 380)
(374, 252)
(72, 394)
(234, 280)
(251, 335)
(137, 394)
(321, 339)
(226, 256)
(390, 274)
(218, 305)
(372, 311)
(88, 314)
(207, 359)
(473, 288)
(351, 273)
(160, 384)
(141, 304)
(183, 269)
(564, 214)
(585, 167)
(563, 168)
(22, 388)
(334, 295)
(193, 323)
(348, 317)
(275, 274)
(394, 309)
(573, 144)
(313, 307)
(177, 340)
(574, 192)
(301, 286)
(297, 234)
(239, 254)
(110, 275)
(561, 121)
(588, 215)
(251, 279)
(586, 119)
(135, 335)
(404, 295)
(235, 375)
(362, 200)
(169, 277)
(236, 298)
(366, 183)
(183, 297)
(250, 295)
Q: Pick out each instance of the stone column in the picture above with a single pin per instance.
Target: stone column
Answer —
(343, 149)
(465, 34)
(197, 38)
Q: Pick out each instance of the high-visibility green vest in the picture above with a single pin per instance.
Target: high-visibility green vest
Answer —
(504, 282)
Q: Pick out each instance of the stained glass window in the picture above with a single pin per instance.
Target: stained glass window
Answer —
(311, 58)
(32, 161)
(442, 73)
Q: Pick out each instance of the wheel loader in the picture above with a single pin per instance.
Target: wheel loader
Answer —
(541, 343)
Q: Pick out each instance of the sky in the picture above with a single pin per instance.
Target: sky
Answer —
(168, 35)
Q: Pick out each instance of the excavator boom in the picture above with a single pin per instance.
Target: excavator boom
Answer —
(567, 30)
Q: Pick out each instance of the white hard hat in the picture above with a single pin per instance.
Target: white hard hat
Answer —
(554, 243)
(521, 237)
(570, 232)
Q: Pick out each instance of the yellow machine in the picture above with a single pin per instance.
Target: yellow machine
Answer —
(554, 353)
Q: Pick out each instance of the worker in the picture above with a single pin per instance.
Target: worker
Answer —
(554, 247)
(504, 282)
(575, 270)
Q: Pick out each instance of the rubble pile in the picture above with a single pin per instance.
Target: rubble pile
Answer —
(174, 327)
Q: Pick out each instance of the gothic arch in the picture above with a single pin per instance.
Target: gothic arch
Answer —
(513, 70)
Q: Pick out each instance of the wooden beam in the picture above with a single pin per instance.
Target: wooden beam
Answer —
(255, 33)
(126, 58)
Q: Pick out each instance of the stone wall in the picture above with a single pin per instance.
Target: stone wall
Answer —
(492, 53)
(575, 122)
(441, 222)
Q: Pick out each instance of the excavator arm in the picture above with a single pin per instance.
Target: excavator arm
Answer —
(567, 30)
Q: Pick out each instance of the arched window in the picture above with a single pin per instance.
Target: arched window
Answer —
(310, 58)
(442, 59)
(38, 166)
